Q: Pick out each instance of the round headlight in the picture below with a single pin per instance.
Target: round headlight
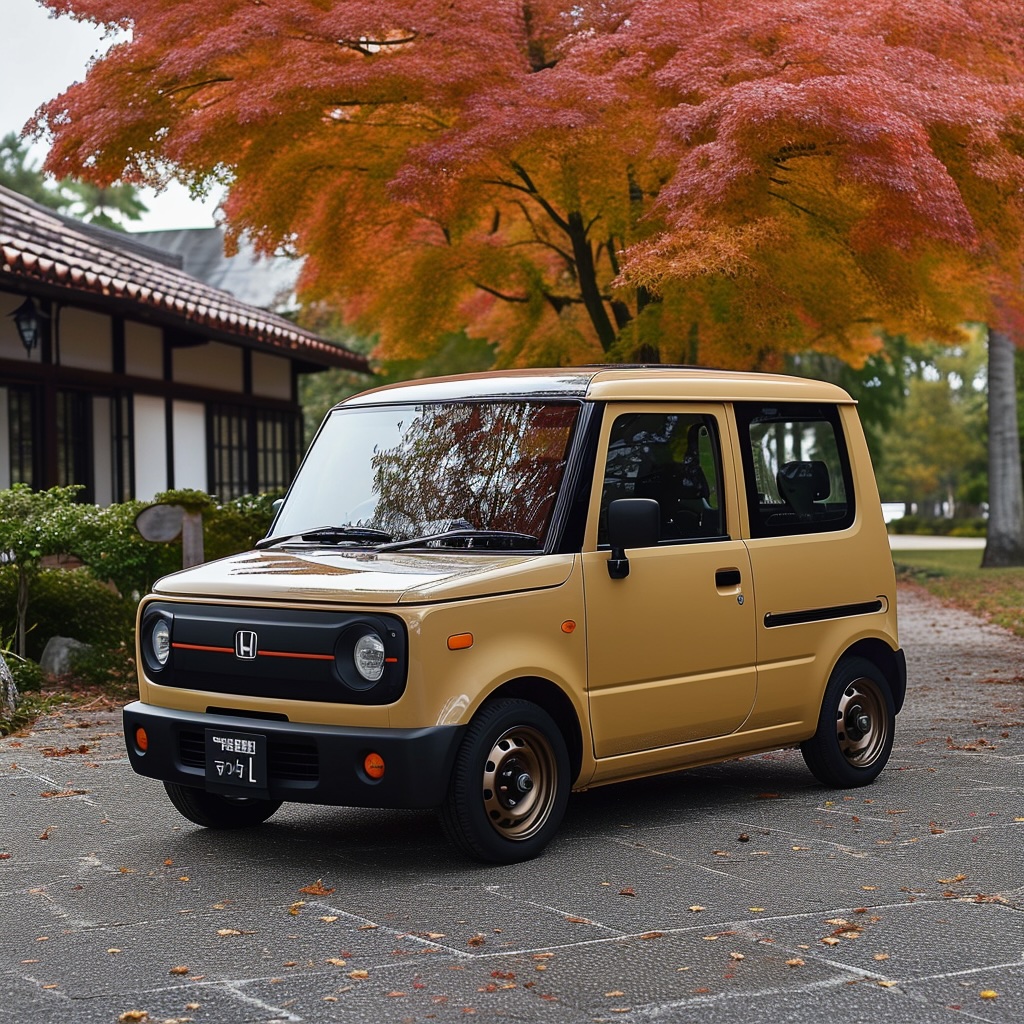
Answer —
(160, 641)
(368, 655)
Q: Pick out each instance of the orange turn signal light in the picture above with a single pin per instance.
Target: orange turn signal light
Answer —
(569, 626)
(460, 642)
(141, 739)
(373, 765)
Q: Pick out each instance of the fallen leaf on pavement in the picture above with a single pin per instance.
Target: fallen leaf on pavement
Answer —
(179, 970)
(317, 888)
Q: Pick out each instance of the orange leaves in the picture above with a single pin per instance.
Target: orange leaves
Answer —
(317, 888)
(434, 192)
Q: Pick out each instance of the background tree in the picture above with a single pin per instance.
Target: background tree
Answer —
(18, 172)
(933, 452)
(681, 179)
(108, 207)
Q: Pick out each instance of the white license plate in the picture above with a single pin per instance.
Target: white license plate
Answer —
(237, 760)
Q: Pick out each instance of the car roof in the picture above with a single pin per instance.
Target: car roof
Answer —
(607, 383)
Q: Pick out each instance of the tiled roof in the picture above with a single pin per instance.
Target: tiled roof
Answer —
(41, 246)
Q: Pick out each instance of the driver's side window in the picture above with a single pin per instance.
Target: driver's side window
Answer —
(674, 459)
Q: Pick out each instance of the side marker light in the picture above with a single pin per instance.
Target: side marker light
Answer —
(460, 642)
(141, 739)
(568, 626)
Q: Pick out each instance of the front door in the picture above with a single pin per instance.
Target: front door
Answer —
(670, 648)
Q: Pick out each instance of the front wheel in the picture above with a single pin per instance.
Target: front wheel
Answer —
(510, 783)
(214, 811)
(855, 728)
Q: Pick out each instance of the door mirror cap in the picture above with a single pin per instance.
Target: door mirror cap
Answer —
(632, 523)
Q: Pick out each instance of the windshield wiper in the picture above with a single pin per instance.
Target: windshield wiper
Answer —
(468, 535)
(330, 535)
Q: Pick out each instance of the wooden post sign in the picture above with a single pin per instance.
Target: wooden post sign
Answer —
(163, 523)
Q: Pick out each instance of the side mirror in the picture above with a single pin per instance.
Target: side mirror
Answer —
(632, 523)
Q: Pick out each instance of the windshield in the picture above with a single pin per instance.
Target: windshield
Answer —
(418, 470)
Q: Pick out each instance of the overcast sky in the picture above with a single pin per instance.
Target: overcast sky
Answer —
(40, 57)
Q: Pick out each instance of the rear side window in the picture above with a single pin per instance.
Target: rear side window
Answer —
(672, 457)
(796, 469)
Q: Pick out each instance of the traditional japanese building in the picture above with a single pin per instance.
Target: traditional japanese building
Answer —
(123, 373)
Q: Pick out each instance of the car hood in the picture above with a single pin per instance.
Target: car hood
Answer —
(398, 577)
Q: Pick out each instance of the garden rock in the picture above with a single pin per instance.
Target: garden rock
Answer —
(59, 653)
(8, 689)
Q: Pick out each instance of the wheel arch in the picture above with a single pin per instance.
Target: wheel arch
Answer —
(545, 694)
(892, 664)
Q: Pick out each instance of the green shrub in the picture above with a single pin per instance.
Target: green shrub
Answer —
(67, 602)
(111, 669)
(26, 673)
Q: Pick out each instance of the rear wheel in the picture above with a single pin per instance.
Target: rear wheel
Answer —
(214, 811)
(510, 784)
(856, 726)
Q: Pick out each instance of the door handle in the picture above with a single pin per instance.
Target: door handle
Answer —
(727, 578)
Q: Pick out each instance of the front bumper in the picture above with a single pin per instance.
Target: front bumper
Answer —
(319, 764)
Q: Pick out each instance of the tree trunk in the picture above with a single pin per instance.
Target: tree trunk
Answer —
(21, 611)
(586, 275)
(1005, 545)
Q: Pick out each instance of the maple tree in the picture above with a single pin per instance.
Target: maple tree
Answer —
(712, 180)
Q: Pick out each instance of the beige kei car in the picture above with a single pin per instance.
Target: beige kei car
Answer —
(483, 592)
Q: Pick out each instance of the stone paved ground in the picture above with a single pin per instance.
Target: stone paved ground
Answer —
(715, 895)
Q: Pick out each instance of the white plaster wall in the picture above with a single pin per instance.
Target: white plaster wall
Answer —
(150, 447)
(10, 344)
(212, 365)
(271, 376)
(5, 442)
(102, 453)
(143, 350)
(190, 445)
(84, 339)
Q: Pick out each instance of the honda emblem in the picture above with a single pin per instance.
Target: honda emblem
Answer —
(245, 644)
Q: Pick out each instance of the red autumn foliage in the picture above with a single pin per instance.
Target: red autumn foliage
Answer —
(712, 179)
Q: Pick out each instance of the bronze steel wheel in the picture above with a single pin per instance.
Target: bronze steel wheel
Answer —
(510, 783)
(856, 726)
(520, 782)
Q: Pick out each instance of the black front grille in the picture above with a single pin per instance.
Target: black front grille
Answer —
(286, 760)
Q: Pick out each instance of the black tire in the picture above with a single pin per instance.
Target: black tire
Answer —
(856, 726)
(214, 811)
(510, 783)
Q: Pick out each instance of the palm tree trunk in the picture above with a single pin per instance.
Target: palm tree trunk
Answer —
(1005, 545)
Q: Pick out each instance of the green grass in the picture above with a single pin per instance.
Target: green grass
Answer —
(957, 577)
